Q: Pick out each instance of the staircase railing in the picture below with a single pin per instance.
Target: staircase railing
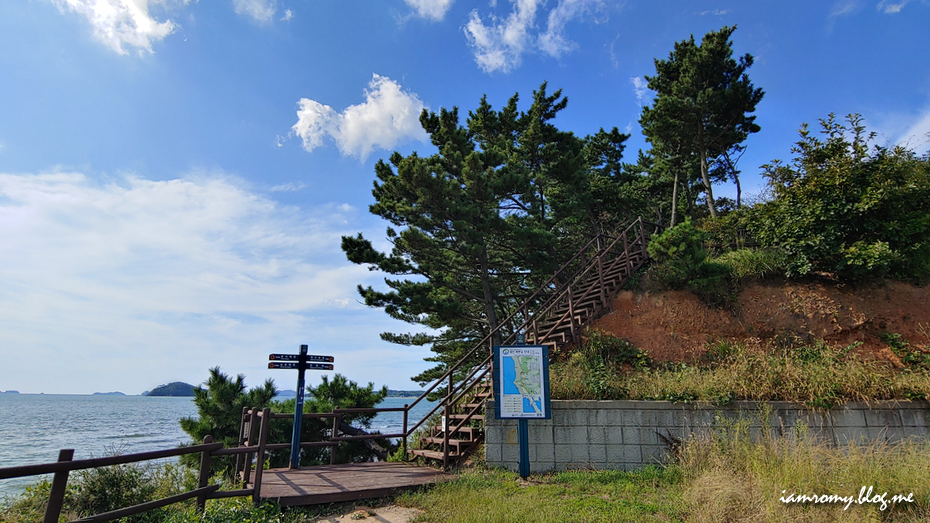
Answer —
(599, 256)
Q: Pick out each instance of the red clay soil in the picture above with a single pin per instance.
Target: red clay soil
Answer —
(675, 325)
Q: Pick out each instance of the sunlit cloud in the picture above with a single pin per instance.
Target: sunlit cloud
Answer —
(640, 86)
(124, 23)
(431, 9)
(121, 277)
(288, 187)
(261, 11)
(917, 135)
(288, 15)
(388, 116)
(892, 7)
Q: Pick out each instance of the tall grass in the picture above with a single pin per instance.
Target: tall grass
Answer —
(732, 477)
(818, 374)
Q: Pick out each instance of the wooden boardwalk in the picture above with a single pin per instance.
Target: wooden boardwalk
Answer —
(345, 482)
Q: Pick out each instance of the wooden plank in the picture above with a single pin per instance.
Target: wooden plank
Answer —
(344, 482)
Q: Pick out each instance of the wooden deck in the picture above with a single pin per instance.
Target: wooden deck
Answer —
(346, 482)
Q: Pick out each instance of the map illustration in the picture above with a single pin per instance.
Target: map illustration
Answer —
(522, 382)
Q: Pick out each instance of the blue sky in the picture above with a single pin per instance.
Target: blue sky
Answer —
(175, 175)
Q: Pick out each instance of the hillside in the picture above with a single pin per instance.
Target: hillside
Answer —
(675, 325)
(175, 388)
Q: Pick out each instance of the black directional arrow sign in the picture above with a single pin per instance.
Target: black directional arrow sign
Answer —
(296, 365)
(296, 357)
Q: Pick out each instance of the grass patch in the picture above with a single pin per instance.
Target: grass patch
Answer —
(818, 375)
(753, 263)
(499, 496)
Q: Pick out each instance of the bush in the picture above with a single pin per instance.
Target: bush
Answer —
(753, 263)
(678, 254)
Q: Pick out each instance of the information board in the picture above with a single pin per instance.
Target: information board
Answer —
(521, 382)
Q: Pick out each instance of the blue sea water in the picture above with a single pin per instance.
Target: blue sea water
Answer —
(34, 427)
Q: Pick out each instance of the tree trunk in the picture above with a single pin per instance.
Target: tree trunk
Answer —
(705, 177)
(674, 199)
(488, 295)
(379, 451)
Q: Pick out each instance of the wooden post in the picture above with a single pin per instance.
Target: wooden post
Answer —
(243, 434)
(445, 435)
(571, 312)
(406, 409)
(332, 448)
(260, 455)
(204, 474)
(57, 496)
(252, 441)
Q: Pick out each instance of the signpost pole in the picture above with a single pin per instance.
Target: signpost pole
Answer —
(523, 432)
(298, 408)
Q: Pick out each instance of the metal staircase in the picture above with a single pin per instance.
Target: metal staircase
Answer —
(555, 315)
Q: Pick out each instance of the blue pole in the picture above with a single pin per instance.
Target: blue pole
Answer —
(298, 408)
(523, 438)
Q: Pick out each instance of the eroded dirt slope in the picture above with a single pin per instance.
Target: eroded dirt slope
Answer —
(675, 325)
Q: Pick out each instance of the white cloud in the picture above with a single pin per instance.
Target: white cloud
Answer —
(892, 8)
(432, 9)
(715, 12)
(260, 10)
(387, 117)
(288, 187)
(499, 46)
(122, 23)
(288, 15)
(553, 42)
(640, 86)
(110, 285)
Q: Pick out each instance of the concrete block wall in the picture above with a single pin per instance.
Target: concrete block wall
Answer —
(625, 434)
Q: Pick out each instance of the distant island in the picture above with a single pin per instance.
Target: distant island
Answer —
(404, 393)
(9, 392)
(116, 393)
(175, 388)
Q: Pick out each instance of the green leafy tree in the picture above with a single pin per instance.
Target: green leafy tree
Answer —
(338, 393)
(702, 104)
(846, 208)
(219, 412)
(481, 223)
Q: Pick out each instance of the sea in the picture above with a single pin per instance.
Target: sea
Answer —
(34, 427)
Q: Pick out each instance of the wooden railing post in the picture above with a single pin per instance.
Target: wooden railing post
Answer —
(204, 474)
(243, 434)
(446, 422)
(59, 483)
(253, 439)
(404, 447)
(332, 448)
(260, 455)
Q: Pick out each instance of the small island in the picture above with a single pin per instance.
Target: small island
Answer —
(9, 392)
(115, 393)
(175, 388)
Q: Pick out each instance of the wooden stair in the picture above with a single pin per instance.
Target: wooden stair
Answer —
(555, 315)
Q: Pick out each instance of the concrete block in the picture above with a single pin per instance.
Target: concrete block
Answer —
(632, 418)
(561, 418)
(846, 435)
(542, 453)
(657, 418)
(886, 434)
(613, 435)
(654, 454)
(596, 435)
(562, 435)
(510, 436)
(542, 466)
(578, 418)
(847, 417)
(510, 453)
(632, 435)
(915, 433)
(911, 417)
(492, 435)
(597, 417)
(493, 454)
(540, 433)
(613, 418)
(882, 418)
(563, 453)
(632, 454)
(580, 454)
(615, 454)
(597, 455)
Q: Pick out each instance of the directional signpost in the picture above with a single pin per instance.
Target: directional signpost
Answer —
(301, 362)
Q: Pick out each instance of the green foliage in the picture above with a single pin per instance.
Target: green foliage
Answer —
(678, 254)
(753, 263)
(908, 354)
(219, 412)
(104, 489)
(341, 393)
(846, 209)
(700, 112)
(480, 224)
